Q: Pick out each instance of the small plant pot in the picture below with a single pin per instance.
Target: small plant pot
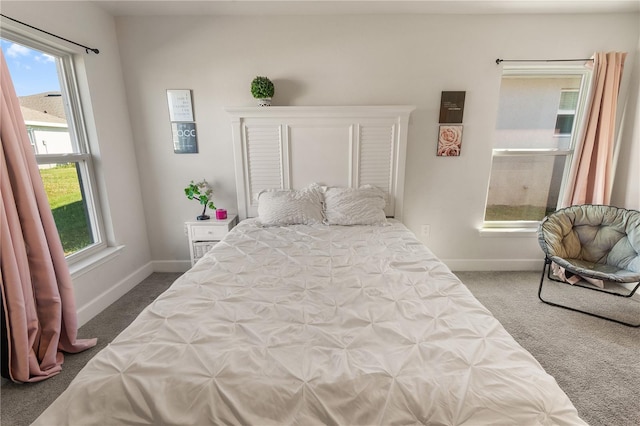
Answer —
(203, 217)
(264, 102)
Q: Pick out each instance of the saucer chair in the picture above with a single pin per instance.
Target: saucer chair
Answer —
(593, 243)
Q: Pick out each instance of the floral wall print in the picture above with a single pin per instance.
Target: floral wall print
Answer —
(449, 140)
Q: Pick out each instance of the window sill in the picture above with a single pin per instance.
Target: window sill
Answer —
(508, 232)
(85, 265)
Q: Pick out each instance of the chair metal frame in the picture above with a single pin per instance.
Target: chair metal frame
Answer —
(547, 269)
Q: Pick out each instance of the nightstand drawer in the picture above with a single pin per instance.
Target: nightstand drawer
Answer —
(208, 233)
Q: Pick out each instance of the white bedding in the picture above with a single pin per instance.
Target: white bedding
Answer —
(310, 325)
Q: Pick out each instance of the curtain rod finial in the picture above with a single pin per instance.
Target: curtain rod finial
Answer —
(498, 61)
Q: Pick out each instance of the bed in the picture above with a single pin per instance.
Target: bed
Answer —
(303, 317)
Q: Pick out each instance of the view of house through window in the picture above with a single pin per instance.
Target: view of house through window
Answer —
(538, 116)
(566, 112)
(49, 106)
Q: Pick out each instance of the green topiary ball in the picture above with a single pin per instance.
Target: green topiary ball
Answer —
(262, 87)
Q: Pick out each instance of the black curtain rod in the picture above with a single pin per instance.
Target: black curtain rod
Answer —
(86, 48)
(498, 61)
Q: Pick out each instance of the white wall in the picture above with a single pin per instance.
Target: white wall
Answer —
(626, 185)
(322, 60)
(111, 141)
(346, 60)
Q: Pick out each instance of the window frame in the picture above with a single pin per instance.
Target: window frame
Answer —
(542, 71)
(83, 158)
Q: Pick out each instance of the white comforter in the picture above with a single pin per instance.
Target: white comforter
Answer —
(314, 325)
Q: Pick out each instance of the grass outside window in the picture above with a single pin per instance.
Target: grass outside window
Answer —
(526, 213)
(62, 185)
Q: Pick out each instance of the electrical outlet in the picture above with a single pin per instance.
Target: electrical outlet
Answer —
(425, 230)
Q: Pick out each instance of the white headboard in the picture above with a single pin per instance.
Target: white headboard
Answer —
(291, 147)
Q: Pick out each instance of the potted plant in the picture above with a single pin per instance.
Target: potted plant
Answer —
(202, 193)
(262, 89)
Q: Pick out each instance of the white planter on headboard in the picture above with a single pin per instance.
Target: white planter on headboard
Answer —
(291, 147)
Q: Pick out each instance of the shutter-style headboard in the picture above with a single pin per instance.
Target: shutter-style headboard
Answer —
(291, 147)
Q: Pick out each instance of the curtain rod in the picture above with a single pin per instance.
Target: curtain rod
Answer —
(498, 61)
(86, 48)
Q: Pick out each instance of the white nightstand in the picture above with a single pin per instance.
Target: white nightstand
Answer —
(204, 234)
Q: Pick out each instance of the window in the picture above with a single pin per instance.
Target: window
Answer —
(45, 82)
(538, 118)
(566, 112)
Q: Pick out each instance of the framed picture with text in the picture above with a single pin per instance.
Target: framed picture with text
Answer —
(185, 138)
(452, 107)
(180, 105)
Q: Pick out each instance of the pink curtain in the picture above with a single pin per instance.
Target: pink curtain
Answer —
(37, 292)
(592, 167)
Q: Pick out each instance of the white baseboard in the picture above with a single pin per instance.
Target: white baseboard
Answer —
(171, 265)
(494, 264)
(103, 300)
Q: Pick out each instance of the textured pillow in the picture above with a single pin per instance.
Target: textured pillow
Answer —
(291, 207)
(355, 206)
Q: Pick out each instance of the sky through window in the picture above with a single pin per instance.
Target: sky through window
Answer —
(31, 71)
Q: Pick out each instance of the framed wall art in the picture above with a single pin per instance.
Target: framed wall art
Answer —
(185, 138)
(180, 105)
(452, 107)
(449, 140)
(183, 126)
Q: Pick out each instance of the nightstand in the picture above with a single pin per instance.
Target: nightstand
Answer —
(204, 234)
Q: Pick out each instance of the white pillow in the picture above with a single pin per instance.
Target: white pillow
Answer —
(355, 206)
(291, 207)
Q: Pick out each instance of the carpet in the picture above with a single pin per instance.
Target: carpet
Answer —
(596, 362)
